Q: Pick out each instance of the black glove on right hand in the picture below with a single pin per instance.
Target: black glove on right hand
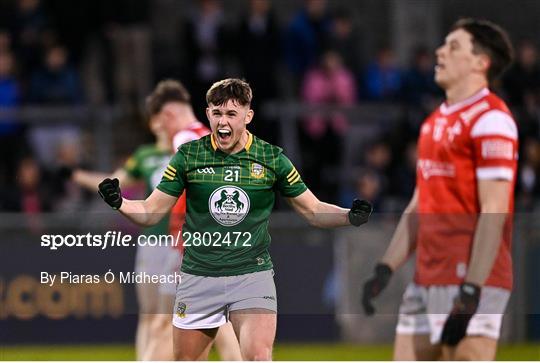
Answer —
(360, 212)
(109, 190)
(374, 286)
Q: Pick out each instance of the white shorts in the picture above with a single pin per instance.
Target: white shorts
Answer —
(150, 259)
(204, 302)
(172, 264)
(424, 310)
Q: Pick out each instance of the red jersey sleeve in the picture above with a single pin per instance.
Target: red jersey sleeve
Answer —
(495, 146)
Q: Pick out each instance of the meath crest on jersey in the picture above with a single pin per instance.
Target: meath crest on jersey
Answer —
(229, 205)
(257, 171)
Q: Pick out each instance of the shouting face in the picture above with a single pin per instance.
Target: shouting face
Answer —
(228, 123)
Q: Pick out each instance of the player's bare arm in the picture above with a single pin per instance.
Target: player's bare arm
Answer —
(494, 203)
(325, 215)
(401, 246)
(142, 212)
(403, 241)
(91, 179)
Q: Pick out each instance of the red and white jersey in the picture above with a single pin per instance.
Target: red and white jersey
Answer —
(476, 139)
(178, 214)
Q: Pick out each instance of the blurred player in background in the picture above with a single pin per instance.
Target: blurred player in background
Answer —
(173, 122)
(230, 178)
(459, 218)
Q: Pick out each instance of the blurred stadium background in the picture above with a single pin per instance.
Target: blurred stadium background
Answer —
(73, 78)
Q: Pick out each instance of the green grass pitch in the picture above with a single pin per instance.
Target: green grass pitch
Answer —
(313, 351)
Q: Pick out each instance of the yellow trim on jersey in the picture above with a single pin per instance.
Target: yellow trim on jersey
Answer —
(165, 175)
(169, 176)
(249, 141)
(171, 168)
(131, 163)
(213, 142)
(291, 172)
(292, 175)
(296, 179)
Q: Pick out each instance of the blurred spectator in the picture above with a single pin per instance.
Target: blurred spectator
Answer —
(383, 78)
(345, 40)
(56, 83)
(9, 93)
(522, 86)
(522, 81)
(529, 173)
(367, 185)
(205, 42)
(419, 87)
(126, 28)
(11, 136)
(29, 194)
(257, 42)
(29, 27)
(404, 175)
(5, 41)
(378, 159)
(69, 194)
(305, 37)
(330, 83)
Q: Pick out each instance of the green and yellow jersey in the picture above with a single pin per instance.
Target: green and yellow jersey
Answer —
(229, 201)
(147, 164)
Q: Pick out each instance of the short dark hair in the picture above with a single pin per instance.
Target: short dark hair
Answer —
(168, 90)
(490, 39)
(237, 90)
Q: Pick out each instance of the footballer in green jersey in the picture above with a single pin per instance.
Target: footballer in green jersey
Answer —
(230, 178)
(229, 201)
(148, 163)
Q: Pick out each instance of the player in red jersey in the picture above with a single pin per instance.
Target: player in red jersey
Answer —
(182, 127)
(459, 218)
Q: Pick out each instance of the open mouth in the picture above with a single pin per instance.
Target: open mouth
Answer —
(224, 134)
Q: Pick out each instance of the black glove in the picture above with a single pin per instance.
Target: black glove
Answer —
(360, 212)
(374, 286)
(465, 305)
(109, 190)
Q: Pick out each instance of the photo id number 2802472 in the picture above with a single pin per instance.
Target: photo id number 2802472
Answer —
(217, 239)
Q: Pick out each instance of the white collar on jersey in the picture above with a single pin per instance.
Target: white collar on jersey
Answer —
(447, 110)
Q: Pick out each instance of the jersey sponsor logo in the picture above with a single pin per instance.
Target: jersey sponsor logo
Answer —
(257, 171)
(208, 170)
(497, 149)
(229, 205)
(429, 168)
